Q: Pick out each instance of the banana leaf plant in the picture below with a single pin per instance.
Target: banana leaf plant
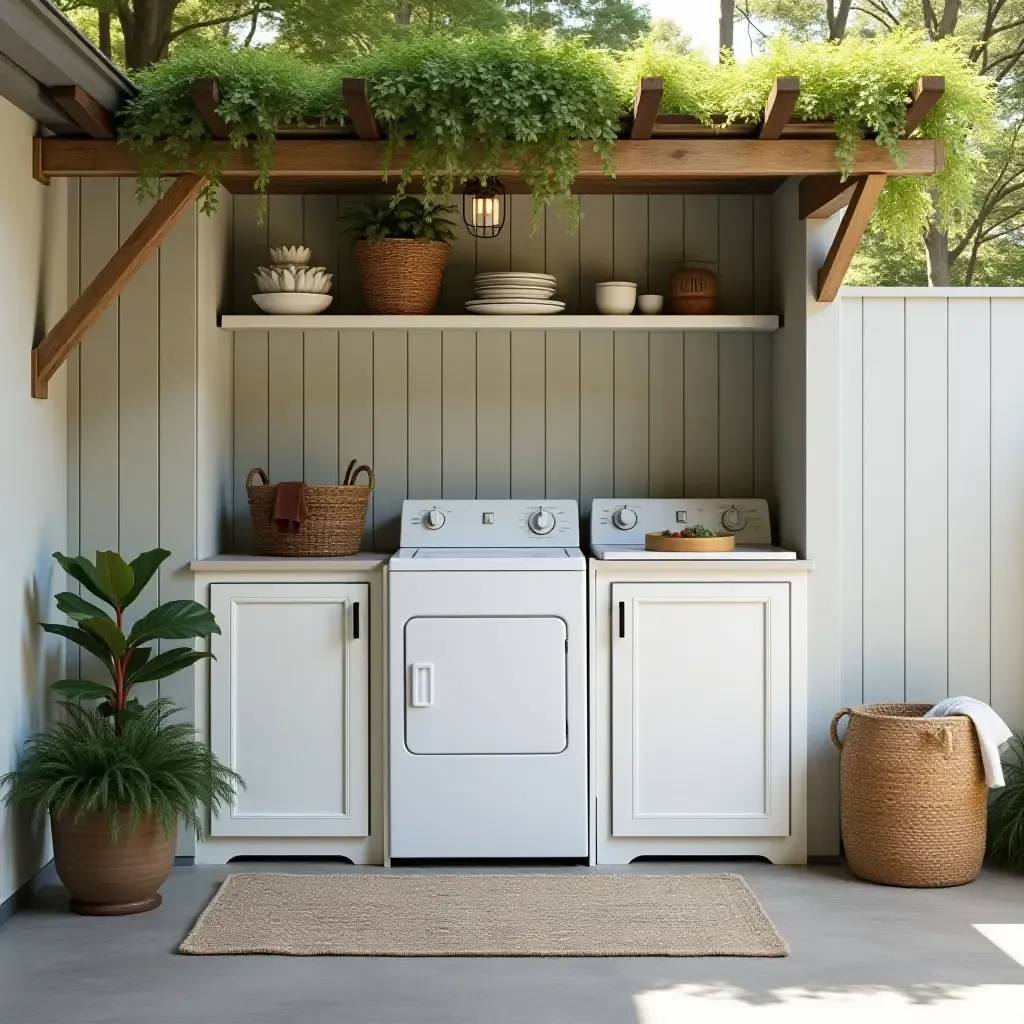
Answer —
(125, 656)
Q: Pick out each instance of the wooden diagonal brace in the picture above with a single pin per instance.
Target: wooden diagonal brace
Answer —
(822, 195)
(206, 96)
(51, 352)
(355, 93)
(855, 220)
(779, 108)
(88, 113)
(645, 107)
(926, 93)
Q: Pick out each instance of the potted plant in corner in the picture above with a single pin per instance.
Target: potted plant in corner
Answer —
(401, 250)
(117, 777)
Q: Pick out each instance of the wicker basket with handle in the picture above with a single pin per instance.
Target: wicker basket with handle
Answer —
(335, 516)
(401, 276)
(913, 801)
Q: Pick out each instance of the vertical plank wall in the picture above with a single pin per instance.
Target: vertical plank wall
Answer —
(143, 384)
(932, 463)
(492, 413)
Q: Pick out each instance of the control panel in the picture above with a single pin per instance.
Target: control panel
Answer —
(502, 523)
(621, 521)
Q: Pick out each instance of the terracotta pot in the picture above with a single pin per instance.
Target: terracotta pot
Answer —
(107, 878)
(401, 276)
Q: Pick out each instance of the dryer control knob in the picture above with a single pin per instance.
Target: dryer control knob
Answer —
(434, 519)
(624, 519)
(733, 519)
(542, 521)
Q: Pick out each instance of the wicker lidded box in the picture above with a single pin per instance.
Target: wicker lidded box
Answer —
(335, 516)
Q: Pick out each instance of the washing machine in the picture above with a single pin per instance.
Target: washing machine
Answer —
(487, 686)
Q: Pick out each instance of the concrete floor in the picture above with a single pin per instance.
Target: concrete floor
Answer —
(857, 950)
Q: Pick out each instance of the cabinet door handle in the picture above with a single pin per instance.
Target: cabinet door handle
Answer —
(355, 620)
(622, 620)
(422, 684)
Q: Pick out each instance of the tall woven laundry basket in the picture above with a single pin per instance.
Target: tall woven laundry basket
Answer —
(913, 799)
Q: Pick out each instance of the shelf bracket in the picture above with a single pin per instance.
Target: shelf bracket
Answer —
(105, 287)
(645, 107)
(855, 220)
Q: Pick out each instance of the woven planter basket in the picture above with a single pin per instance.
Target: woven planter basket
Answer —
(335, 516)
(401, 275)
(913, 796)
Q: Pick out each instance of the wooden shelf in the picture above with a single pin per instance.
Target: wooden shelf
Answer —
(557, 322)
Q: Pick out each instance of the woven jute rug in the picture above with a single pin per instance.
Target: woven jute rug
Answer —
(485, 915)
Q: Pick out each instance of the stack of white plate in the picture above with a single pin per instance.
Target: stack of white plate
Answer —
(510, 294)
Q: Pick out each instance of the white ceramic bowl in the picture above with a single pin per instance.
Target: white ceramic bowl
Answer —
(292, 303)
(616, 298)
(650, 304)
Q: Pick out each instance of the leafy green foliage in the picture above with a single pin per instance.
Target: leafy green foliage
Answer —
(129, 663)
(1006, 811)
(457, 105)
(423, 220)
(151, 766)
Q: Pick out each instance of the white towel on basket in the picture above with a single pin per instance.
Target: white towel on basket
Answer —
(991, 729)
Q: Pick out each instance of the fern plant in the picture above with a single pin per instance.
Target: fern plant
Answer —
(120, 755)
(1006, 811)
(422, 220)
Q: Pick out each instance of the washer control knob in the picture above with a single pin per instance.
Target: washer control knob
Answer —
(624, 519)
(434, 519)
(733, 519)
(542, 521)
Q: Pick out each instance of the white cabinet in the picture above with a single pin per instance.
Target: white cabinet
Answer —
(289, 707)
(700, 709)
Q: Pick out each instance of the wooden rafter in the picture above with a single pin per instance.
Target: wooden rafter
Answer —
(206, 96)
(51, 352)
(88, 113)
(926, 93)
(351, 164)
(779, 108)
(825, 195)
(645, 107)
(855, 220)
(356, 93)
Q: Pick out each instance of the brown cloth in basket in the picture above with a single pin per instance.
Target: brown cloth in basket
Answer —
(289, 507)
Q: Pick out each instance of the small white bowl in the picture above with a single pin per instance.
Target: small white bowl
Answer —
(650, 304)
(616, 298)
(292, 303)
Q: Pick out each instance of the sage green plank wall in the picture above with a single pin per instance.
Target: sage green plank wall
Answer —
(494, 413)
(147, 382)
(932, 456)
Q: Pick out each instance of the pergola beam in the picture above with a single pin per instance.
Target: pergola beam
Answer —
(927, 91)
(348, 162)
(104, 288)
(779, 108)
(206, 96)
(88, 113)
(645, 107)
(855, 220)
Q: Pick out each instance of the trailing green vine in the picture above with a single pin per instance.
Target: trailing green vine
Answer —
(456, 106)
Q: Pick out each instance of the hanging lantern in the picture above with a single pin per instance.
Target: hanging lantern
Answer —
(483, 207)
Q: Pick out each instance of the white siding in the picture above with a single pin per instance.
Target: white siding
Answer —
(932, 460)
(496, 413)
(33, 294)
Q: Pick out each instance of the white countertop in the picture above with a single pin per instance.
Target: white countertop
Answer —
(364, 561)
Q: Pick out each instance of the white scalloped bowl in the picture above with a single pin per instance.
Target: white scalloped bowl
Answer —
(292, 303)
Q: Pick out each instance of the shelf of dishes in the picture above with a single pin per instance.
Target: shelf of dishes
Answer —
(468, 321)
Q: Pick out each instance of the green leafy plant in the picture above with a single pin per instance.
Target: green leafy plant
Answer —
(422, 220)
(84, 765)
(126, 657)
(1006, 810)
(698, 531)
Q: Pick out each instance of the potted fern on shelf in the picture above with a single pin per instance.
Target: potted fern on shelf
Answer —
(401, 251)
(116, 777)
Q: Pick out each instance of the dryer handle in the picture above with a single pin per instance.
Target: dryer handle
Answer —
(422, 684)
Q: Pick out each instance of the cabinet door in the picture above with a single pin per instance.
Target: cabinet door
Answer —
(700, 709)
(289, 705)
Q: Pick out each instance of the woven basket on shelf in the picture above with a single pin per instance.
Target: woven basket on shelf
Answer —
(401, 276)
(913, 798)
(335, 516)
(694, 292)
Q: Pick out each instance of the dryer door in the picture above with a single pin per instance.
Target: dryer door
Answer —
(485, 685)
